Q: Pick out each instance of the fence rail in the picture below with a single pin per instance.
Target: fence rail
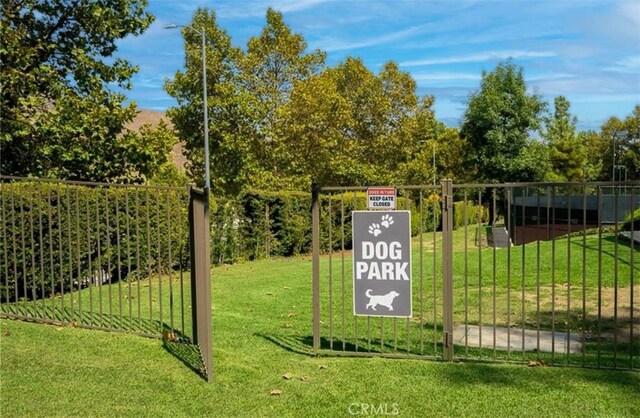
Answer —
(541, 272)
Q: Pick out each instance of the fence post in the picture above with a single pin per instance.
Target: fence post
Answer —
(315, 227)
(447, 268)
(200, 236)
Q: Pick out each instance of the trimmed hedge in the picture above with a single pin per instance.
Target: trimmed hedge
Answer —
(57, 237)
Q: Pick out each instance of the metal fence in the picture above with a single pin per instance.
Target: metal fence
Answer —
(538, 272)
(101, 256)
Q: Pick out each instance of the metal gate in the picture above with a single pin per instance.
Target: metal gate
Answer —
(541, 273)
(107, 256)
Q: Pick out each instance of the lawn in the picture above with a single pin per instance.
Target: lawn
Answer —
(261, 329)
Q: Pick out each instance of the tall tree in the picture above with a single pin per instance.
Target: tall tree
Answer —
(231, 156)
(566, 152)
(497, 123)
(622, 138)
(275, 61)
(60, 119)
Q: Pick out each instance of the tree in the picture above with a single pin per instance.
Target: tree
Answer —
(496, 126)
(566, 152)
(60, 119)
(624, 135)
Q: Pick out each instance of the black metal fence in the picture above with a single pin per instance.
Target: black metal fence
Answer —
(540, 273)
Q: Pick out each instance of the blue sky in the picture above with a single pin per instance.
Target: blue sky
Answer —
(586, 50)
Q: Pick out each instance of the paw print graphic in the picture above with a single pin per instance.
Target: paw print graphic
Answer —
(387, 221)
(374, 229)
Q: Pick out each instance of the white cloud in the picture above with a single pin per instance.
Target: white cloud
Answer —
(627, 65)
(331, 45)
(486, 56)
(445, 76)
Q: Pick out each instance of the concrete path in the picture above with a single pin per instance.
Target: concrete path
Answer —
(627, 235)
(549, 341)
(501, 238)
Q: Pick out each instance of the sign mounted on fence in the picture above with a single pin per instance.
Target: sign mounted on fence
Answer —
(382, 263)
(381, 198)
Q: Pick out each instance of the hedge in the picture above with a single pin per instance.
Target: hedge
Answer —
(56, 237)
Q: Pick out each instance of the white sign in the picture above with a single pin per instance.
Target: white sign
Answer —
(381, 198)
(382, 263)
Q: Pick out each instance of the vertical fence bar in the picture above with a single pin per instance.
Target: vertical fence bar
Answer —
(434, 274)
(584, 269)
(479, 235)
(421, 231)
(33, 255)
(315, 226)
(568, 332)
(70, 246)
(447, 268)
(355, 319)
(23, 237)
(524, 198)
(119, 260)
(51, 254)
(599, 338)
(508, 225)
(78, 280)
(466, 275)
(408, 321)
(100, 266)
(138, 264)
(108, 233)
(159, 262)
(43, 274)
(553, 274)
(89, 255)
(616, 196)
(148, 254)
(5, 241)
(631, 277)
(169, 259)
(128, 234)
(493, 268)
(330, 249)
(344, 325)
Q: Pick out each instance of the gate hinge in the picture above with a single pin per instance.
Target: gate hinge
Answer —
(446, 340)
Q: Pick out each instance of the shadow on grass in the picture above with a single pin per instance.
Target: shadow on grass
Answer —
(473, 374)
(187, 353)
(174, 341)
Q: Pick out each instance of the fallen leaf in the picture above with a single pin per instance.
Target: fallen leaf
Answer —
(269, 294)
(287, 325)
(286, 288)
(534, 364)
(276, 392)
(287, 376)
(6, 333)
(291, 315)
(59, 328)
(304, 378)
(322, 366)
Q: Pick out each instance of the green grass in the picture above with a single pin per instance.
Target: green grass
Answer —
(261, 329)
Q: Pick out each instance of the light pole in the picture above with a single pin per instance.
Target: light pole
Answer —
(616, 135)
(207, 178)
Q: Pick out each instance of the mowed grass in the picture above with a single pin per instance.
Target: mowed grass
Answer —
(261, 331)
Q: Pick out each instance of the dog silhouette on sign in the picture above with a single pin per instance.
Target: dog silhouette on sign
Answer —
(384, 300)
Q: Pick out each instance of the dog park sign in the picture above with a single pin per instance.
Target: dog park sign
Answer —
(382, 263)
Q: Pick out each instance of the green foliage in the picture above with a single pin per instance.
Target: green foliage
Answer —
(496, 126)
(60, 119)
(566, 152)
(71, 232)
(626, 144)
(632, 220)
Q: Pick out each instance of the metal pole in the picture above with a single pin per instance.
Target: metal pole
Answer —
(207, 178)
(315, 216)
